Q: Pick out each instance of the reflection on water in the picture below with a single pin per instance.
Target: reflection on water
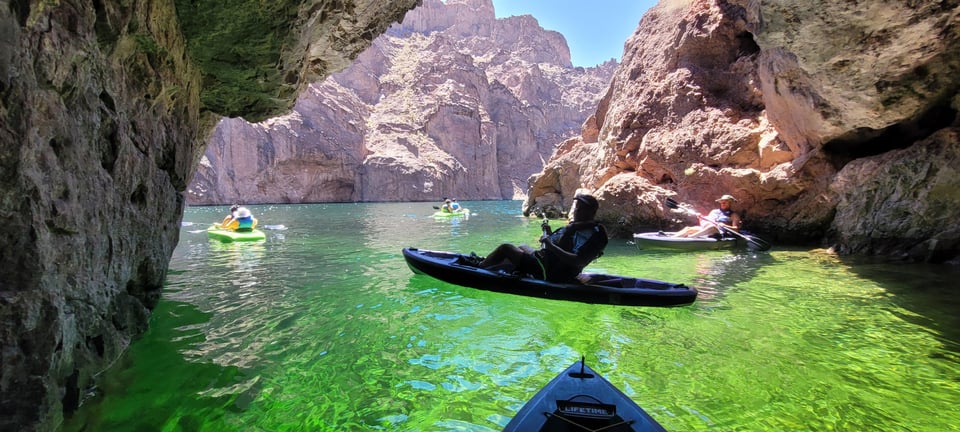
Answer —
(323, 327)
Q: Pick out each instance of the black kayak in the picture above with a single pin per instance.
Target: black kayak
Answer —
(579, 399)
(598, 288)
(666, 240)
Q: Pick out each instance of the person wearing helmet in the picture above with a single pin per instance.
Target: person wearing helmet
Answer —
(564, 252)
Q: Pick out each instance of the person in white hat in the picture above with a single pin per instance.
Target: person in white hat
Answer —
(243, 220)
(708, 224)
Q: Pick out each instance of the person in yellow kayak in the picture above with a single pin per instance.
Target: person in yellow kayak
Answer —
(230, 216)
(241, 220)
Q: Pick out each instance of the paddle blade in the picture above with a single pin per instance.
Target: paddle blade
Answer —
(757, 242)
(673, 204)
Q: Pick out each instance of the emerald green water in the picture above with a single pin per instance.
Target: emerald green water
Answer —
(324, 328)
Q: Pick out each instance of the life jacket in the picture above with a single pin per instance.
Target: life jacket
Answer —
(246, 223)
(585, 239)
(722, 216)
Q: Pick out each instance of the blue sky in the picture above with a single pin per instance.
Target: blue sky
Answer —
(595, 30)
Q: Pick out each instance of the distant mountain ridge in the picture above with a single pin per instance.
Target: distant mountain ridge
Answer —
(450, 102)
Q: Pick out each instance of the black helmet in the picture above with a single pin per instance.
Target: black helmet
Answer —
(588, 201)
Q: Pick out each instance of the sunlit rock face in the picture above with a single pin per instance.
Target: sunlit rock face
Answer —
(105, 110)
(831, 122)
(451, 102)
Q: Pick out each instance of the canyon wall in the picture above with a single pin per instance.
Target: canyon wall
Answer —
(452, 102)
(105, 108)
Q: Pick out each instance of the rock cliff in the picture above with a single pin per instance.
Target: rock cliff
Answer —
(104, 111)
(450, 102)
(831, 122)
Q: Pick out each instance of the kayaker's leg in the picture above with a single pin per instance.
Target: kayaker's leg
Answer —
(498, 255)
(706, 231)
(521, 259)
(504, 252)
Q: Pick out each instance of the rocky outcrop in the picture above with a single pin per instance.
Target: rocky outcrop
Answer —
(831, 122)
(104, 111)
(450, 102)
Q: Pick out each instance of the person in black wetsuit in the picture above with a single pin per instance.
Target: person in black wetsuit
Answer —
(564, 252)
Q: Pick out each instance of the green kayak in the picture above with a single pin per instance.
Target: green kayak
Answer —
(227, 236)
(461, 212)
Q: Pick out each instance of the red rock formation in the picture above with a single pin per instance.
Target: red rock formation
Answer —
(829, 120)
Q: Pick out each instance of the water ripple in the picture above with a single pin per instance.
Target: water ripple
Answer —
(323, 327)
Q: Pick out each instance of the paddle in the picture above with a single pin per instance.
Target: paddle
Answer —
(757, 242)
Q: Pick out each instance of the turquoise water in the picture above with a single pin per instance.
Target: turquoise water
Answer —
(322, 327)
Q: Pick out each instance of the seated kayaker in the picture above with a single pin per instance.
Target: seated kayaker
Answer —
(454, 205)
(565, 252)
(243, 222)
(724, 216)
(446, 207)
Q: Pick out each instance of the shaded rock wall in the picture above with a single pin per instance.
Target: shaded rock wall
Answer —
(451, 102)
(833, 123)
(104, 111)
